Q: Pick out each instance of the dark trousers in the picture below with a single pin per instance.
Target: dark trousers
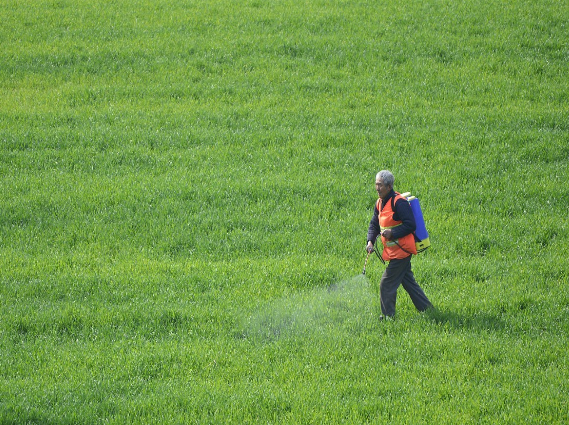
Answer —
(398, 272)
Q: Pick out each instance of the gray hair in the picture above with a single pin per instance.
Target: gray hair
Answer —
(386, 177)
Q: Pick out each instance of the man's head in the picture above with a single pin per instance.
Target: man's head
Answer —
(384, 183)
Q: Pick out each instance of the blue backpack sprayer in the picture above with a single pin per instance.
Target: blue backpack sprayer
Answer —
(421, 235)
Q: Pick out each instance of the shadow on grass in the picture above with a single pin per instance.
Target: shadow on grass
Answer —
(478, 321)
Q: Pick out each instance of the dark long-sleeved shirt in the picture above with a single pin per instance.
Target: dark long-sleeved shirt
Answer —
(402, 212)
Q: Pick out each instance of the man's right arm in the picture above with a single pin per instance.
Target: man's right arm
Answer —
(374, 229)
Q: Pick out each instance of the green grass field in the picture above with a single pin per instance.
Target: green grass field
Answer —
(186, 188)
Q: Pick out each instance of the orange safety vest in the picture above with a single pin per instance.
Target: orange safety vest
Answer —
(398, 248)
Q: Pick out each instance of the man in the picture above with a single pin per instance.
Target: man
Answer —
(393, 220)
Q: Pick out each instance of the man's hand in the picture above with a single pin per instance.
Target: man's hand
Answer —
(387, 234)
(369, 247)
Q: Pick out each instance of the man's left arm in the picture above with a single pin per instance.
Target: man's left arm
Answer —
(404, 214)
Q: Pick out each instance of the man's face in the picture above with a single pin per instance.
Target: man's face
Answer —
(381, 189)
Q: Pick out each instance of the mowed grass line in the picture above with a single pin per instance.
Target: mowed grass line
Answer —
(186, 188)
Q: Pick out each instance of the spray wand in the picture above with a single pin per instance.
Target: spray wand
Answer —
(369, 251)
(365, 264)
